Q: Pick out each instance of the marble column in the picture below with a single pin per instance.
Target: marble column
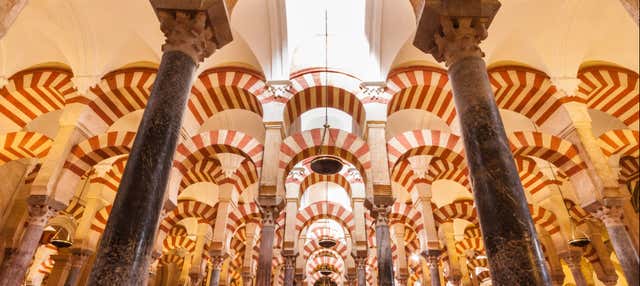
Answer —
(299, 279)
(78, 259)
(452, 33)
(289, 268)
(401, 256)
(216, 266)
(432, 256)
(361, 270)
(14, 268)
(611, 216)
(454, 275)
(267, 234)
(573, 258)
(383, 241)
(127, 242)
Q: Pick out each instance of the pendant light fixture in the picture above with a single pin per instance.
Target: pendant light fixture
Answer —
(326, 164)
(326, 240)
(576, 241)
(62, 238)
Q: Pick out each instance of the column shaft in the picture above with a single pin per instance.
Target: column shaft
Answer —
(289, 269)
(611, 215)
(515, 255)
(127, 241)
(263, 274)
(361, 270)
(14, 268)
(383, 240)
(78, 259)
(431, 256)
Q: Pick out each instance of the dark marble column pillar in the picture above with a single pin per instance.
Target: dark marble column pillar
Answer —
(78, 259)
(573, 258)
(216, 266)
(267, 233)
(452, 33)
(361, 270)
(383, 241)
(14, 268)
(431, 256)
(611, 216)
(127, 242)
(289, 269)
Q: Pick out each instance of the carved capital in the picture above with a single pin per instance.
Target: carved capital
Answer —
(381, 214)
(452, 30)
(572, 258)
(217, 260)
(39, 214)
(187, 32)
(610, 215)
(361, 262)
(290, 261)
(432, 256)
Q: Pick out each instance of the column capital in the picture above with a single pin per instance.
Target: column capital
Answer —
(431, 256)
(40, 213)
(270, 212)
(196, 28)
(360, 261)
(572, 258)
(610, 214)
(217, 259)
(290, 260)
(452, 30)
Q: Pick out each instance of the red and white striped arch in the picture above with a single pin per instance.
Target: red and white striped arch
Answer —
(325, 209)
(526, 91)
(171, 259)
(99, 222)
(23, 144)
(440, 169)
(206, 170)
(207, 144)
(407, 215)
(629, 171)
(472, 243)
(221, 89)
(88, 153)
(244, 213)
(32, 93)
(111, 179)
(426, 142)
(562, 153)
(174, 242)
(625, 142)
(472, 231)
(309, 143)
(576, 212)
(422, 88)
(484, 276)
(118, 94)
(315, 178)
(612, 90)
(314, 265)
(189, 208)
(532, 179)
(545, 219)
(403, 175)
(320, 97)
(313, 245)
(459, 209)
(74, 209)
(310, 78)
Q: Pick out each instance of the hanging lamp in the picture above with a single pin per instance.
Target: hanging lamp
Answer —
(61, 239)
(576, 241)
(326, 164)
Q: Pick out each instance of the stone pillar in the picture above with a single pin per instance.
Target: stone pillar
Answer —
(351, 280)
(464, 270)
(431, 256)
(197, 271)
(61, 267)
(289, 268)
(216, 266)
(78, 260)
(573, 258)
(192, 33)
(361, 270)
(401, 256)
(299, 279)
(555, 266)
(453, 275)
(611, 215)
(269, 211)
(383, 241)
(451, 31)
(14, 268)
(247, 267)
